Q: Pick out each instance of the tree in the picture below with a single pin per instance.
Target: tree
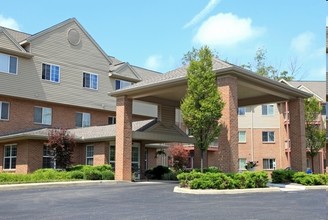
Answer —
(179, 156)
(61, 143)
(202, 106)
(315, 136)
(261, 68)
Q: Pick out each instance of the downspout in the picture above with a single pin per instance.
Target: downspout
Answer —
(252, 133)
(288, 136)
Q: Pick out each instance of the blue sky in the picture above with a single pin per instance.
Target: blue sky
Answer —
(156, 34)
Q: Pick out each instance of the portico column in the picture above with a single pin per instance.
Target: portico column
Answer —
(123, 142)
(228, 138)
(297, 134)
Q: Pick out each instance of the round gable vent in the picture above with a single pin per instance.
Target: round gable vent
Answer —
(73, 37)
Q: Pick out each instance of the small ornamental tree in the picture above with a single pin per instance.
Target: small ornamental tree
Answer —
(61, 143)
(179, 156)
(202, 105)
(315, 136)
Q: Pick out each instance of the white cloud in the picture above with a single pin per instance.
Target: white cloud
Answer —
(8, 23)
(198, 17)
(226, 29)
(154, 62)
(303, 42)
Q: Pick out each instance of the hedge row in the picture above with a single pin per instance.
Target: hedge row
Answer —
(290, 176)
(103, 172)
(197, 180)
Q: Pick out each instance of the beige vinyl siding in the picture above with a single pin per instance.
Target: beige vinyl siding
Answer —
(254, 117)
(144, 108)
(73, 61)
(5, 42)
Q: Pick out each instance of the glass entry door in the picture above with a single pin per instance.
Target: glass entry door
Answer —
(135, 160)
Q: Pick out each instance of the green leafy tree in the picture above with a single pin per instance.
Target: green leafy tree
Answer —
(261, 67)
(315, 136)
(202, 105)
(61, 143)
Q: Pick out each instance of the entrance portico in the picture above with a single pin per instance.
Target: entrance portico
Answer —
(238, 87)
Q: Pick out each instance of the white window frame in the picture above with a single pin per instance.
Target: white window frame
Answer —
(242, 163)
(268, 137)
(1, 106)
(112, 146)
(90, 86)
(113, 120)
(7, 63)
(239, 139)
(271, 162)
(269, 110)
(89, 157)
(48, 154)
(10, 157)
(51, 73)
(45, 119)
(84, 119)
(122, 83)
(242, 111)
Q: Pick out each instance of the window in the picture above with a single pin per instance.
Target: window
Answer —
(120, 84)
(267, 109)
(241, 111)
(4, 111)
(42, 115)
(242, 136)
(323, 109)
(82, 119)
(50, 72)
(90, 80)
(89, 155)
(9, 161)
(267, 136)
(241, 164)
(8, 64)
(48, 158)
(112, 154)
(269, 164)
(111, 120)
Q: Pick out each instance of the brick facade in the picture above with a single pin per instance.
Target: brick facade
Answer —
(21, 115)
(123, 138)
(228, 139)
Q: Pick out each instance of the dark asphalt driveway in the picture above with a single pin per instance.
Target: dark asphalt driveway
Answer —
(157, 201)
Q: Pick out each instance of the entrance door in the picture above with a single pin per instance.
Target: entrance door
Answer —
(135, 160)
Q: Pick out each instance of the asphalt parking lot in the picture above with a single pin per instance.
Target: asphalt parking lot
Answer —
(156, 201)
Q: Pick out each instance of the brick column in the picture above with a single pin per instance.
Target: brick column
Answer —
(228, 138)
(123, 140)
(297, 134)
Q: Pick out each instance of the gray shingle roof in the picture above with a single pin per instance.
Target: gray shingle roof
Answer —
(317, 87)
(17, 35)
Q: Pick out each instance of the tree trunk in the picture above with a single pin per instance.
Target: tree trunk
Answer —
(202, 161)
(312, 163)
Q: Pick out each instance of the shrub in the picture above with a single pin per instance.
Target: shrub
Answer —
(170, 176)
(107, 175)
(282, 176)
(92, 174)
(197, 180)
(212, 169)
(104, 167)
(77, 174)
(179, 156)
(157, 172)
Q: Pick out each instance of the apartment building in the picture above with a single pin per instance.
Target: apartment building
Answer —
(59, 78)
(264, 131)
(120, 113)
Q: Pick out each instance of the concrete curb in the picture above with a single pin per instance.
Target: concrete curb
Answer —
(57, 184)
(178, 189)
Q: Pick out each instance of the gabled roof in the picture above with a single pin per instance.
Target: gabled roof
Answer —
(140, 129)
(17, 35)
(19, 50)
(50, 29)
(317, 88)
(124, 71)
